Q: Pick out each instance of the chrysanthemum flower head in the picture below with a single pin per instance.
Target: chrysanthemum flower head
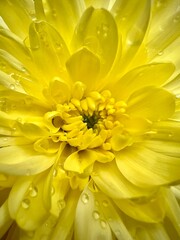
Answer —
(89, 120)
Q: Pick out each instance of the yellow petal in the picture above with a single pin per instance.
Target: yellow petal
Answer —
(97, 31)
(66, 219)
(84, 66)
(80, 161)
(89, 216)
(146, 168)
(150, 210)
(16, 160)
(18, 11)
(112, 216)
(58, 12)
(10, 83)
(111, 181)
(13, 45)
(169, 27)
(146, 75)
(97, 4)
(152, 103)
(170, 148)
(132, 20)
(172, 208)
(5, 220)
(31, 208)
(46, 43)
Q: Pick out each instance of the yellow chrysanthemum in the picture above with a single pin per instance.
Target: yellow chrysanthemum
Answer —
(89, 119)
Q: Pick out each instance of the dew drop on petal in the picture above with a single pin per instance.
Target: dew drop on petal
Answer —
(61, 204)
(25, 203)
(52, 190)
(170, 134)
(33, 191)
(96, 215)
(54, 172)
(160, 53)
(105, 203)
(103, 224)
(85, 198)
(12, 86)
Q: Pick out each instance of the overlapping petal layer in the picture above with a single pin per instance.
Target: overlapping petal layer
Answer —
(89, 120)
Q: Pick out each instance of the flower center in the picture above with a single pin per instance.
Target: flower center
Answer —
(87, 122)
(90, 120)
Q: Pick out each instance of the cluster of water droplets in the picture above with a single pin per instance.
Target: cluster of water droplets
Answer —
(102, 30)
(32, 193)
(97, 216)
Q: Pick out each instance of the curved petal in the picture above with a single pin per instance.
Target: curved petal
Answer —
(5, 220)
(147, 75)
(112, 216)
(172, 208)
(168, 30)
(18, 11)
(97, 4)
(170, 148)
(66, 219)
(97, 31)
(152, 103)
(58, 12)
(132, 19)
(84, 66)
(146, 168)
(46, 43)
(90, 217)
(152, 210)
(31, 208)
(111, 181)
(16, 160)
(13, 45)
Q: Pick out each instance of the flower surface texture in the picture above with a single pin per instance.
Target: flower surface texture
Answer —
(89, 120)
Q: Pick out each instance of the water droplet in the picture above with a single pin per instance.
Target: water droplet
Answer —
(52, 190)
(17, 82)
(25, 203)
(19, 120)
(59, 46)
(33, 191)
(160, 53)
(161, 28)
(96, 215)
(105, 203)
(54, 172)
(5, 139)
(103, 30)
(85, 198)
(103, 224)
(61, 204)
(13, 131)
(170, 135)
(23, 69)
(12, 86)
